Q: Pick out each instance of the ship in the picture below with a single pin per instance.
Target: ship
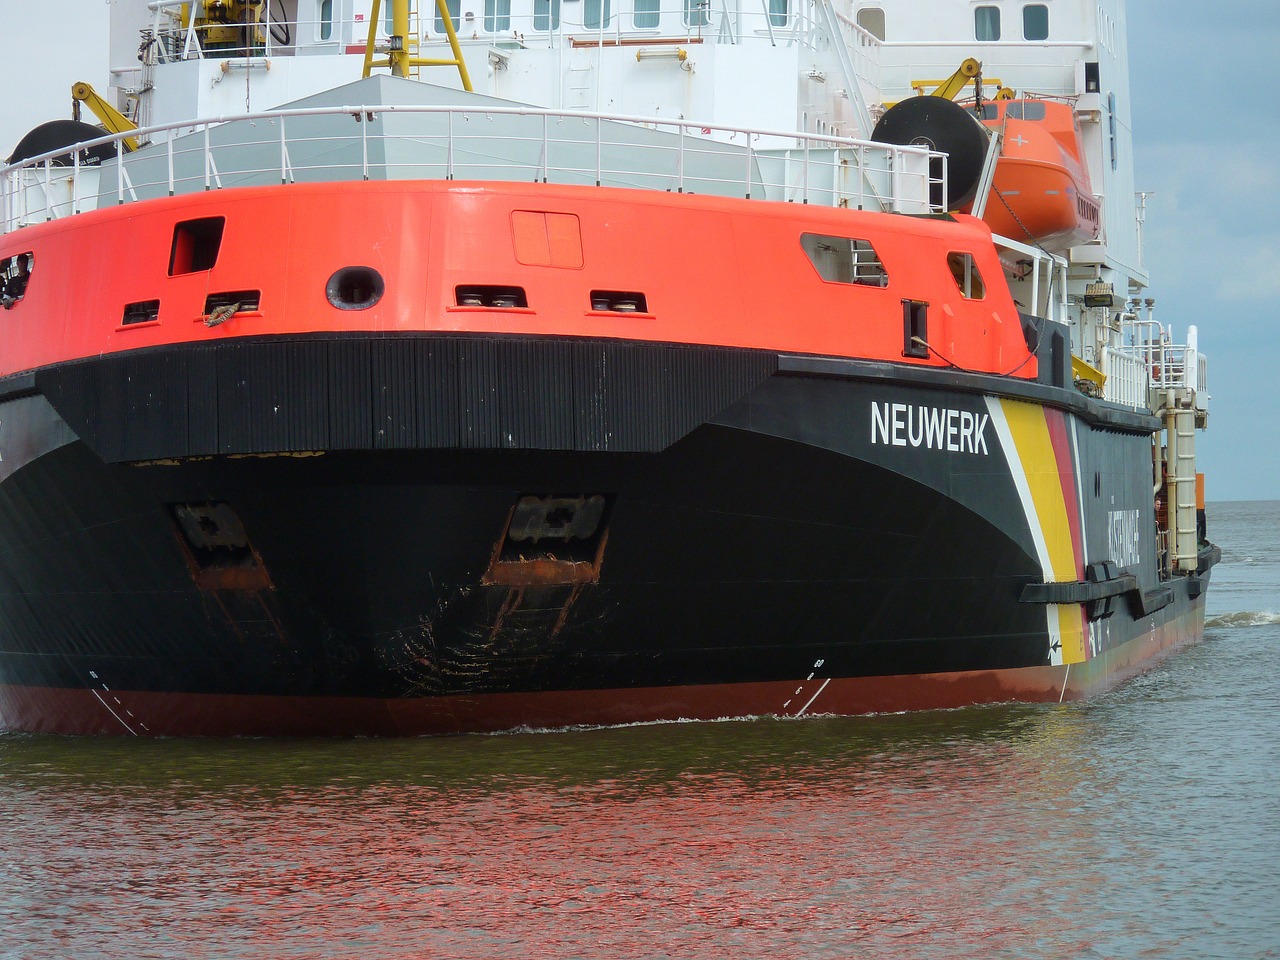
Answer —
(376, 370)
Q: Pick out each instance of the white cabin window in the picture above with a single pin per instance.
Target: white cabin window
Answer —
(324, 20)
(697, 13)
(778, 12)
(546, 14)
(965, 273)
(645, 13)
(1035, 22)
(844, 260)
(871, 19)
(592, 17)
(455, 14)
(497, 15)
(986, 23)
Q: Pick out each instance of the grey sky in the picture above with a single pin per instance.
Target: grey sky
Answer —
(1207, 126)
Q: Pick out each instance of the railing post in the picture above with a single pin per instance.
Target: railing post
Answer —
(206, 156)
(599, 177)
(75, 182)
(363, 118)
(169, 155)
(283, 178)
(448, 147)
(748, 183)
(546, 160)
(48, 192)
(119, 171)
(804, 175)
(680, 163)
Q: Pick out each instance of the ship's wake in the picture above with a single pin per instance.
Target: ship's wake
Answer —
(1245, 618)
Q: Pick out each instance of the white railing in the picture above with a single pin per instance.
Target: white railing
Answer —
(408, 142)
(1148, 356)
(1127, 380)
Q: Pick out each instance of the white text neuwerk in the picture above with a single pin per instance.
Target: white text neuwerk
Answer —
(934, 428)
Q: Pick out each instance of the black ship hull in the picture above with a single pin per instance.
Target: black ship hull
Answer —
(439, 534)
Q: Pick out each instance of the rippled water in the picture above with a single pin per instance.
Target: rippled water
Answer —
(1144, 823)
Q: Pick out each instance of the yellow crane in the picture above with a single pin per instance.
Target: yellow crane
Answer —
(111, 119)
(399, 59)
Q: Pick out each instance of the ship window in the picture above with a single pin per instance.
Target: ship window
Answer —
(592, 18)
(489, 295)
(497, 15)
(14, 276)
(915, 329)
(325, 31)
(965, 272)
(871, 19)
(777, 13)
(619, 301)
(1035, 22)
(195, 245)
(986, 23)
(455, 14)
(143, 311)
(844, 260)
(645, 13)
(546, 14)
(696, 13)
(1025, 110)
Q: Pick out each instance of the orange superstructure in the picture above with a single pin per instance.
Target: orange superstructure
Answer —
(707, 270)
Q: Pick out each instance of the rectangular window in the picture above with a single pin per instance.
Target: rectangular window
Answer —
(546, 15)
(777, 13)
(15, 272)
(645, 13)
(455, 14)
(871, 19)
(326, 20)
(497, 16)
(915, 329)
(844, 260)
(592, 16)
(1035, 22)
(965, 273)
(195, 245)
(697, 13)
(986, 24)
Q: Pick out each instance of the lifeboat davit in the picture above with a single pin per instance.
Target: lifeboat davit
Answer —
(1041, 188)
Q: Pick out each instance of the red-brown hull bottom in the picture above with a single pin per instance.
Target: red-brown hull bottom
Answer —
(93, 712)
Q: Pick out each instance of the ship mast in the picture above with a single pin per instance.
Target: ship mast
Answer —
(399, 59)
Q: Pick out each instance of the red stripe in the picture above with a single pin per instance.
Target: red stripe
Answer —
(1057, 423)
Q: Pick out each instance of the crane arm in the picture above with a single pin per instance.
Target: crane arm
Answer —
(111, 118)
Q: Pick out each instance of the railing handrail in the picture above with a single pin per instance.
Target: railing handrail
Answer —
(195, 125)
(709, 137)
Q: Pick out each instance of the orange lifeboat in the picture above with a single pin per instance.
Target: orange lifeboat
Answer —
(1041, 189)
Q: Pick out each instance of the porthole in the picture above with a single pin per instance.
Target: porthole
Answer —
(355, 288)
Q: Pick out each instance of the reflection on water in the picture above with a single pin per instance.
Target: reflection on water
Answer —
(1002, 831)
(1141, 824)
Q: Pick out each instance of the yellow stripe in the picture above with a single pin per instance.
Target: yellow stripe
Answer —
(1030, 434)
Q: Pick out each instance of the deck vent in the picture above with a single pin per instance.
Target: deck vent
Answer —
(355, 288)
(144, 311)
(619, 301)
(494, 297)
(195, 245)
(915, 329)
(248, 300)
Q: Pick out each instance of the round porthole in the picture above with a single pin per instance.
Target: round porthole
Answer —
(355, 288)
